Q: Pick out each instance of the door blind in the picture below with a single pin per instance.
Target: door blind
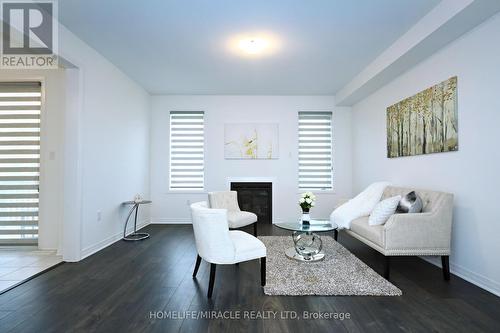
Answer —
(186, 150)
(315, 151)
(20, 105)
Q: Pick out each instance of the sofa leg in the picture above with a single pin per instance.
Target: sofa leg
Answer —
(445, 263)
(263, 271)
(335, 234)
(255, 229)
(387, 267)
(211, 281)
(196, 266)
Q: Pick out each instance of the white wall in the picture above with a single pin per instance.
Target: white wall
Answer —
(171, 207)
(110, 149)
(472, 172)
(113, 143)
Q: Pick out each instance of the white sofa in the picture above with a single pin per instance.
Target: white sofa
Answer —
(420, 234)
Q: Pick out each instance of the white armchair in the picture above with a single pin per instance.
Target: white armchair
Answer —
(235, 216)
(219, 246)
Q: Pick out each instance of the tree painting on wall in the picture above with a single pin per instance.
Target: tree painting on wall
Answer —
(424, 123)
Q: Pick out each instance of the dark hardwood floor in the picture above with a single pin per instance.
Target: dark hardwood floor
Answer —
(117, 289)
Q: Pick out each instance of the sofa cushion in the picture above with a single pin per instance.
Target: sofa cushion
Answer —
(240, 219)
(374, 233)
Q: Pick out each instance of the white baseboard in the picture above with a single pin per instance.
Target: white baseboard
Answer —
(90, 250)
(171, 220)
(468, 275)
(183, 220)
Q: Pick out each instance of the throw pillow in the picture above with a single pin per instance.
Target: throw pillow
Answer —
(383, 210)
(410, 203)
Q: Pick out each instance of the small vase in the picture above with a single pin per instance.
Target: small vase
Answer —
(305, 216)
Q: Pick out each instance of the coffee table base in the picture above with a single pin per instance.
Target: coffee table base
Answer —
(292, 254)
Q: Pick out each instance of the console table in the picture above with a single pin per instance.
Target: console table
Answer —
(134, 236)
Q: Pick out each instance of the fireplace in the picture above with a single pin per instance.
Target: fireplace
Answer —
(255, 197)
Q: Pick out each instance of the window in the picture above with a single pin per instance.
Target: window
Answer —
(315, 151)
(20, 105)
(186, 150)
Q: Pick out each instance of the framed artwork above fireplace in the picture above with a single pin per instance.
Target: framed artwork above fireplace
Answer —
(251, 141)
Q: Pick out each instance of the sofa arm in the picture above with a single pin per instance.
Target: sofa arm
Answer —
(424, 231)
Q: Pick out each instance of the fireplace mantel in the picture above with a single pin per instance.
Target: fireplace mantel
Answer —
(230, 180)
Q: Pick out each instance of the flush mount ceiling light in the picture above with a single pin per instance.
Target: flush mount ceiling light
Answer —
(254, 45)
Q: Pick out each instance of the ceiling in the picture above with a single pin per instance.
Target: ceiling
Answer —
(180, 47)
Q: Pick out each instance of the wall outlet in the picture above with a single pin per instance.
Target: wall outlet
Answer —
(188, 202)
(99, 215)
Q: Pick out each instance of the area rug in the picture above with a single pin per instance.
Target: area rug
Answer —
(339, 273)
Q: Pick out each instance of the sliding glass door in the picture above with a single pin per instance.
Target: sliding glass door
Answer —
(20, 106)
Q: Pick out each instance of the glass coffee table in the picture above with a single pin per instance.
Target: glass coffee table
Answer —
(308, 245)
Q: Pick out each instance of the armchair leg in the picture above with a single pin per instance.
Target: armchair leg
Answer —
(196, 266)
(445, 262)
(263, 271)
(211, 281)
(387, 267)
(255, 229)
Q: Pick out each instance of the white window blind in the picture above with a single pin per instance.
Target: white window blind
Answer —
(20, 105)
(315, 151)
(186, 150)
